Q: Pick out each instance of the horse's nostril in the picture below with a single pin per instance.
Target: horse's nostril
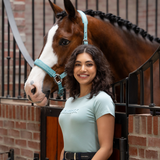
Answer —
(33, 90)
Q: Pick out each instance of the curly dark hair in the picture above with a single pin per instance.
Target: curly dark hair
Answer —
(103, 78)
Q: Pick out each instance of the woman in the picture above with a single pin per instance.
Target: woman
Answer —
(87, 120)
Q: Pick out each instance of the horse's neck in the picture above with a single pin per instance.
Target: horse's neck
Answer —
(124, 50)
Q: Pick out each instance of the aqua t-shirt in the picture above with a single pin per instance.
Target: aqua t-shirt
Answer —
(78, 121)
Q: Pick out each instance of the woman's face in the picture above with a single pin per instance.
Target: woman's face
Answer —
(84, 69)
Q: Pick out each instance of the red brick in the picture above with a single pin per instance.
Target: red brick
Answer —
(137, 124)
(3, 148)
(9, 124)
(3, 131)
(134, 140)
(0, 109)
(27, 153)
(32, 113)
(33, 126)
(141, 153)
(151, 154)
(9, 141)
(143, 125)
(36, 136)
(14, 133)
(149, 124)
(29, 108)
(38, 113)
(153, 142)
(6, 111)
(155, 125)
(34, 145)
(19, 6)
(21, 143)
(25, 112)
(26, 134)
(1, 123)
(21, 125)
(10, 111)
(132, 151)
(130, 124)
(14, 112)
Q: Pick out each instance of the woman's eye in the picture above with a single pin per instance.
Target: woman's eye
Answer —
(77, 64)
(90, 64)
(64, 42)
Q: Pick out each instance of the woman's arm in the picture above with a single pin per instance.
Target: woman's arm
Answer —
(62, 153)
(105, 125)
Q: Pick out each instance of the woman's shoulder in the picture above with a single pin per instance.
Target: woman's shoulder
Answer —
(103, 95)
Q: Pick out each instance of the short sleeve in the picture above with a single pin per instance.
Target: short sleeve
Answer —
(103, 104)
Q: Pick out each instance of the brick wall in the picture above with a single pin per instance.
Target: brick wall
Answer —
(20, 130)
(144, 137)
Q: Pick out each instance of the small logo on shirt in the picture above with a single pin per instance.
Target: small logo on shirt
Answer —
(69, 111)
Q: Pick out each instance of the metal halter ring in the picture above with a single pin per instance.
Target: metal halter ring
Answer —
(59, 79)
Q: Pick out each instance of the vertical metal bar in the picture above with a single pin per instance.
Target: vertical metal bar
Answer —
(151, 81)
(97, 7)
(33, 30)
(76, 4)
(141, 87)
(156, 18)
(2, 48)
(44, 18)
(137, 12)
(127, 97)
(8, 59)
(159, 68)
(86, 4)
(147, 15)
(127, 9)
(121, 92)
(14, 65)
(117, 7)
(19, 79)
(25, 74)
(54, 19)
(106, 6)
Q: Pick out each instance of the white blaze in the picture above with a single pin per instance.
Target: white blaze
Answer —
(48, 57)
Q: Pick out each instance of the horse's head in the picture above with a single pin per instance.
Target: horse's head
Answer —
(64, 36)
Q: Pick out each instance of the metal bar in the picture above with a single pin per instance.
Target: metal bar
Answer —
(25, 74)
(117, 7)
(159, 67)
(141, 87)
(121, 93)
(2, 48)
(19, 79)
(156, 17)
(54, 18)
(8, 59)
(76, 4)
(14, 65)
(97, 7)
(33, 39)
(86, 4)
(147, 15)
(127, 97)
(126, 9)
(44, 18)
(106, 6)
(137, 12)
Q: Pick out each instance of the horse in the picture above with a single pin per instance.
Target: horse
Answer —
(125, 46)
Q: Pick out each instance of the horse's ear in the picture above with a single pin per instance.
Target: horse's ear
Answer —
(55, 8)
(71, 10)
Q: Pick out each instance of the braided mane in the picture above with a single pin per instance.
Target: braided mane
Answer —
(116, 19)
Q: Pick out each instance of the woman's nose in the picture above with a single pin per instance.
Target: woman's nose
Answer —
(83, 68)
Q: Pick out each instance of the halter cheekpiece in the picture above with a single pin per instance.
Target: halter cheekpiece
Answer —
(58, 77)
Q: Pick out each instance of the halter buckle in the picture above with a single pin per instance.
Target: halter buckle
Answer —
(57, 79)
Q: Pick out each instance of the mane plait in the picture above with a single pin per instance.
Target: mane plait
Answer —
(121, 22)
(61, 15)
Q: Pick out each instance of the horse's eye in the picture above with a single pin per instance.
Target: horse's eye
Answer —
(64, 42)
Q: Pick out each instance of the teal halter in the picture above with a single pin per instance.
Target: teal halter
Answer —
(58, 78)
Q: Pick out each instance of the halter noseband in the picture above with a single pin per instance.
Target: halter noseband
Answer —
(58, 78)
